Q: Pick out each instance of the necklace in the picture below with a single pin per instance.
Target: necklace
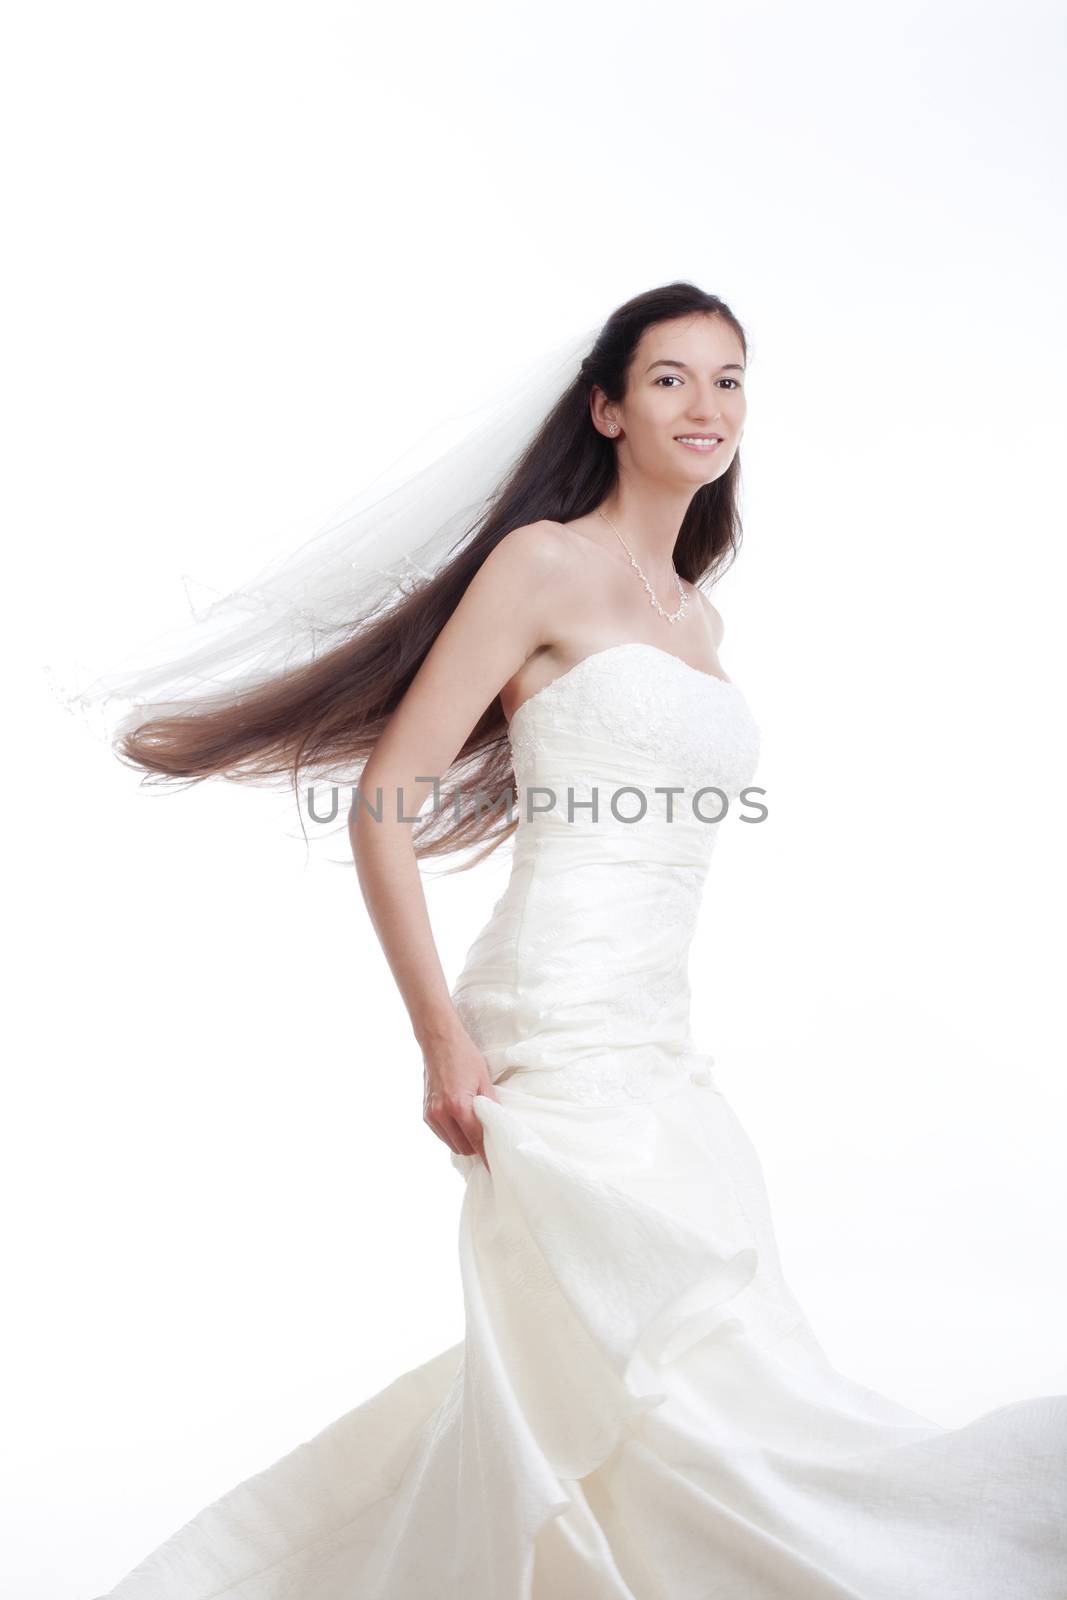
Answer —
(671, 616)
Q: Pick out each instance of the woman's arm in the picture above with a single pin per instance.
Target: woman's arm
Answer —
(500, 620)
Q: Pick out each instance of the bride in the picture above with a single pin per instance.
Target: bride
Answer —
(638, 1409)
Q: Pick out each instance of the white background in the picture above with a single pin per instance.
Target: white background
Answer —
(257, 247)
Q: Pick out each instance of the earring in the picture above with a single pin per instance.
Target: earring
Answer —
(613, 427)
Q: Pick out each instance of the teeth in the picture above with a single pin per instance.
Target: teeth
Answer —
(688, 438)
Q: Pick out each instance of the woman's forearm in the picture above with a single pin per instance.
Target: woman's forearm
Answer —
(392, 887)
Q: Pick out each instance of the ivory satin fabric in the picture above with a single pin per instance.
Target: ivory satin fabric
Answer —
(639, 1409)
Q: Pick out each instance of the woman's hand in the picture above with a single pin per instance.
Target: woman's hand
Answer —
(454, 1072)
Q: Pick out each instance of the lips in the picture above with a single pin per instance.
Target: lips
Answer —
(706, 445)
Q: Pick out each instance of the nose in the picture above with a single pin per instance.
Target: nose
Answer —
(708, 405)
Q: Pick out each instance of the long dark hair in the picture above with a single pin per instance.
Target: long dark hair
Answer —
(332, 709)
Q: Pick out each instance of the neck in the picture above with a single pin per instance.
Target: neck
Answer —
(649, 517)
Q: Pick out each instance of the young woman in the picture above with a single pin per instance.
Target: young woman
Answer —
(638, 1409)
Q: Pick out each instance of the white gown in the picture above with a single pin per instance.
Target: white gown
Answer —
(638, 1409)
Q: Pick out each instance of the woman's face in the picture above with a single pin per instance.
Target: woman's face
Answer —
(686, 378)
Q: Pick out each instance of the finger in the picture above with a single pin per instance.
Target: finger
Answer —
(490, 1094)
(441, 1127)
(444, 1113)
(472, 1130)
(456, 1136)
(470, 1124)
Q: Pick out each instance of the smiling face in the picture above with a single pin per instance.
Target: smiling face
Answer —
(686, 380)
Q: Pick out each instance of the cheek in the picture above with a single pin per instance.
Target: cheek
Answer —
(651, 429)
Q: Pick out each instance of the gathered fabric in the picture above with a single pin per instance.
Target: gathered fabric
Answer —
(639, 1408)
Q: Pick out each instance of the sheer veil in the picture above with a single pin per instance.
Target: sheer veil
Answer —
(402, 526)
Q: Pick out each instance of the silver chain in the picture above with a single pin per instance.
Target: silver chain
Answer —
(670, 616)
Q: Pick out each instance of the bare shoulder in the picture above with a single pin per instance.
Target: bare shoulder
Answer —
(534, 551)
(534, 570)
(718, 627)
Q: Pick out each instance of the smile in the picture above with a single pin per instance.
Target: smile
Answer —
(693, 441)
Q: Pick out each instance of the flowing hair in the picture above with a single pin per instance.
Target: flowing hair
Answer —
(310, 719)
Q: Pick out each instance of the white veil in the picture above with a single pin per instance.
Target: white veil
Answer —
(402, 526)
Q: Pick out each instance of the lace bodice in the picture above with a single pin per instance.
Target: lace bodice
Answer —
(646, 701)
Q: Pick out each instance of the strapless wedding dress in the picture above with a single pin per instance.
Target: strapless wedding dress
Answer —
(638, 1409)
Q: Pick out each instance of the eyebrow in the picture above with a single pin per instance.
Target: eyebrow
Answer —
(731, 366)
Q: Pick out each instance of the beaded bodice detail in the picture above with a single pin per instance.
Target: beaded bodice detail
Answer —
(627, 767)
